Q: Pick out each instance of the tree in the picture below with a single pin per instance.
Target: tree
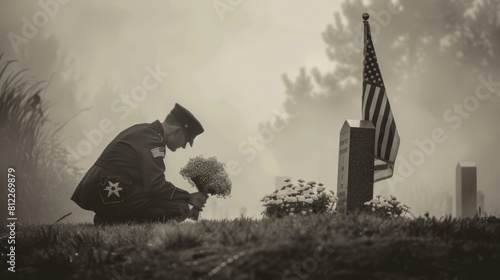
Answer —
(431, 54)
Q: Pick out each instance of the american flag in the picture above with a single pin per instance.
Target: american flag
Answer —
(376, 108)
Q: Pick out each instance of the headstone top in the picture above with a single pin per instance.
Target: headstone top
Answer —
(467, 164)
(359, 123)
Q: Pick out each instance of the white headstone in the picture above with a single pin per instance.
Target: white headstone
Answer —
(466, 190)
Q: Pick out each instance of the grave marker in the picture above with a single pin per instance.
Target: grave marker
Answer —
(466, 190)
(355, 168)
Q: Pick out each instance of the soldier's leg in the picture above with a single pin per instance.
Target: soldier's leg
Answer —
(171, 205)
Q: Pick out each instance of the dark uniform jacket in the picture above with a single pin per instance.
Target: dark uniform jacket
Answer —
(129, 176)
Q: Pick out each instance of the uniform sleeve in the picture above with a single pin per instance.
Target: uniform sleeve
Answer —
(151, 154)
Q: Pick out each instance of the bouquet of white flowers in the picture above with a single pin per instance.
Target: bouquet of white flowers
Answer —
(209, 176)
(299, 199)
(387, 206)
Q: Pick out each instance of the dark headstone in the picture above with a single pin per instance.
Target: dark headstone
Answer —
(355, 175)
(466, 192)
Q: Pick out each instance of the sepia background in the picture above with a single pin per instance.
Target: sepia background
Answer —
(271, 81)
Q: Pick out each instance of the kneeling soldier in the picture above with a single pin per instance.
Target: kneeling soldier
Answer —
(127, 182)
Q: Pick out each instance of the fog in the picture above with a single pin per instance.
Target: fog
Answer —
(224, 62)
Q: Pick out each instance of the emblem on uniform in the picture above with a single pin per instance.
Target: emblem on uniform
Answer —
(158, 152)
(111, 192)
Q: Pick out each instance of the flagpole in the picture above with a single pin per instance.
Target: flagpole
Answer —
(365, 16)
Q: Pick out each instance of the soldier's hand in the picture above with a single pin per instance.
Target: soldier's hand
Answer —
(198, 200)
(194, 214)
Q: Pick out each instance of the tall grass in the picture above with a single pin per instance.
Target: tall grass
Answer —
(30, 144)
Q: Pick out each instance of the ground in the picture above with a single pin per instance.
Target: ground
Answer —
(326, 246)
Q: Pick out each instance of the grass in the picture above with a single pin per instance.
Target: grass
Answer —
(325, 246)
(30, 143)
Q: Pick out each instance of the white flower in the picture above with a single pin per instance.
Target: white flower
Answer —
(310, 210)
(279, 201)
(311, 183)
(314, 197)
(320, 189)
(333, 199)
(301, 198)
(309, 200)
(292, 209)
(291, 199)
(304, 212)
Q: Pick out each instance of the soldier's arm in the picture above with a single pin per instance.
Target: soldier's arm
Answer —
(151, 163)
(153, 168)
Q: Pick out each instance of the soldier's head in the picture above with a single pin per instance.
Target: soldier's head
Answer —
(180, 127)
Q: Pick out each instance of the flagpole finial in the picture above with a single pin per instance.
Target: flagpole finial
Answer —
(366, 16)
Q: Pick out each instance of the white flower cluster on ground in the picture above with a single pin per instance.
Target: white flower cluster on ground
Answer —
(299, 199)
(387, 206)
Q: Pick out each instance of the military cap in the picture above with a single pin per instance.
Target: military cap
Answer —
(188, 121)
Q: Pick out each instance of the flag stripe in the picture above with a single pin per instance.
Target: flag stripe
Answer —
(386, 135)
(394, 146)
(366, 93)
(371, 92)
(392, 133)
(371, 109)
(376, 111)
(382, 124)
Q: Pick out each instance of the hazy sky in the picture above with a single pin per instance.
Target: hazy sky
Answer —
(224, 66)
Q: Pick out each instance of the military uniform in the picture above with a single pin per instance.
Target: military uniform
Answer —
(127, 182)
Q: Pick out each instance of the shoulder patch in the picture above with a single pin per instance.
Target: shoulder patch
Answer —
(158, 152)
